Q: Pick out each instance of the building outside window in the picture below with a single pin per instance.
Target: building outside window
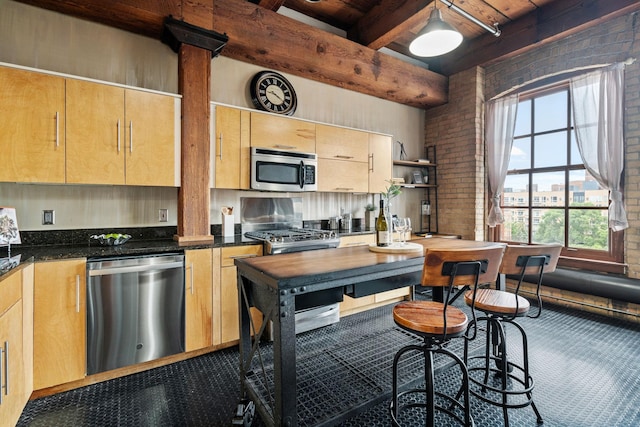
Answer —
(557, 200)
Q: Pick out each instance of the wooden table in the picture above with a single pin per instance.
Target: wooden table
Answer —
(271, 284)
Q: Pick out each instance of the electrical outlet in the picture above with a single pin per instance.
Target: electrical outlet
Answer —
(163, 215)
(48, 217)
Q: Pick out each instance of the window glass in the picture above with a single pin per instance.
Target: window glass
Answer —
(550, 112)
(588, 229)
(550, 149)
(520, 154)
(584, 190)
(523, 118)
(550, 226)
(516, 225)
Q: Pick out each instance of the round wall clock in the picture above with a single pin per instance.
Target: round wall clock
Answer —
(271, 92)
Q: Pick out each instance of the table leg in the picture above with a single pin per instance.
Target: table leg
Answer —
(284, 353)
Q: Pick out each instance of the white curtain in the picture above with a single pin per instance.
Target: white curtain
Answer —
(597, 101)
(500, 119)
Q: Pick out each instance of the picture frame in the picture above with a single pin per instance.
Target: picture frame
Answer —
(417, 177)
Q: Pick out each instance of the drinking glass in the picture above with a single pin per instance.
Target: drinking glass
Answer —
(400, 225)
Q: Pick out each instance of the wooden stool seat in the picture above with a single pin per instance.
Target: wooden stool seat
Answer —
(498, 302)
(426, 317)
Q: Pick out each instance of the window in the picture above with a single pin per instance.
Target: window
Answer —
(558, 201)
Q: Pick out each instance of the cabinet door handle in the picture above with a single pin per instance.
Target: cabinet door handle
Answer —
(131, 137)
(340, 156)
(243, 256)
(118, 128)
(371, 157)
(57, 129)
(6, 368)
(77, 293)
(191, 278)
(285, 147)
(1, 386)
(220, 150)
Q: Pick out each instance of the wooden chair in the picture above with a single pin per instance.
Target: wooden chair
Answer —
(512, 384)
(436, 323)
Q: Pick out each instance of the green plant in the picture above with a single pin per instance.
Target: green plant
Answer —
(370, 207)
(393, 190)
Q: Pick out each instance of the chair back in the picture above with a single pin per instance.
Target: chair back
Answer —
(515, 259)
(535, 260)
(439, 265)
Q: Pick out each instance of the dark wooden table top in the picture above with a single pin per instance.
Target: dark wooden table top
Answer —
(306, 268)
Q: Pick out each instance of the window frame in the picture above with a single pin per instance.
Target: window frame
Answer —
(612, 260)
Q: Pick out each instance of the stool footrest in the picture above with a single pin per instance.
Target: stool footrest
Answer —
(454, 403)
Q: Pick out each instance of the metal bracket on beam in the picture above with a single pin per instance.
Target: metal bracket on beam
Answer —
(176, 32)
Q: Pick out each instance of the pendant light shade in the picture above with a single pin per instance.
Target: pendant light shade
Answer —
(437, 38)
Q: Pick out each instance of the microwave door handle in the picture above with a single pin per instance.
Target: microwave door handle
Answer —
(301, 174)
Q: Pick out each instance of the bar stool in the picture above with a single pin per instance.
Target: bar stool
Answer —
(436, 323)
(512, 384)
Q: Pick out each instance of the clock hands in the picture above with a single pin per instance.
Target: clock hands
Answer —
(276, 95)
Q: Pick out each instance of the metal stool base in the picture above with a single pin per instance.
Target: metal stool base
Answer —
(429, 348)
(508, 385)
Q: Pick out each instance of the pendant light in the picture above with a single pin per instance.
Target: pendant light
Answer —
(437, 38)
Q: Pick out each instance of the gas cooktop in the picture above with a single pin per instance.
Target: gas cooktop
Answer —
(295, 239)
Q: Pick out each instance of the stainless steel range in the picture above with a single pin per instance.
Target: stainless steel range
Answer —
(277, 222)
(295, 240)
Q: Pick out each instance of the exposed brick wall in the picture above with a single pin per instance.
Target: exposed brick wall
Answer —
(456, 131)
(455, 128)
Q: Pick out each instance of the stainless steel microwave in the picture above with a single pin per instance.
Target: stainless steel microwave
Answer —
(279, 170)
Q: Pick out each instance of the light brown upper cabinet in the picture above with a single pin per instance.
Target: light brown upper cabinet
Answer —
(342, 159)
(231, 148)
(380, 162)
(121, 136)
(32, 133)
(282, 133)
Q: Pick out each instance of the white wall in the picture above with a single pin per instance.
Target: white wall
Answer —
(46, 40)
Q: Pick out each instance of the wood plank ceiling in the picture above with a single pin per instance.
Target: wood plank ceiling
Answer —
(369, 53)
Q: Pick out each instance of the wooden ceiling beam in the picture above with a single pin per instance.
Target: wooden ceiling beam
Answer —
(389, 20)
(265, 38)
(547, 24)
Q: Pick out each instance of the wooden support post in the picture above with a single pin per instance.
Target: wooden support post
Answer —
(194, 81)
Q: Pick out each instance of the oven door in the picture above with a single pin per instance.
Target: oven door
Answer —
(277, 170)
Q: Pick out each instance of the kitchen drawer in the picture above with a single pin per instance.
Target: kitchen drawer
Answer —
(228, 255)
(357, 240)
(10, 291)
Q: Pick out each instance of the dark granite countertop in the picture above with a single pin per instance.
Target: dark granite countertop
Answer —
(68, 244)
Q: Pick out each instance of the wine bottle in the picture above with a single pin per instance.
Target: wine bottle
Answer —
(383, 236)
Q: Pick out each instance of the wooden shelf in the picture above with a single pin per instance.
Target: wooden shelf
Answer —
(413, 164)
(417, 185)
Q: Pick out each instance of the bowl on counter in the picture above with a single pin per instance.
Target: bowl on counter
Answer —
(111, 239)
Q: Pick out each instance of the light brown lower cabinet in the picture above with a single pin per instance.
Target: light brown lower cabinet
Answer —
(202, 294)
(229, 312)
(59, 317)
(13, 388)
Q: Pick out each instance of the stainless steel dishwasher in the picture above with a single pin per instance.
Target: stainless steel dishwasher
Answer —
(135, 310)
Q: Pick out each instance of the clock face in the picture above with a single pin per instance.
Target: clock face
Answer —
(270, 91)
